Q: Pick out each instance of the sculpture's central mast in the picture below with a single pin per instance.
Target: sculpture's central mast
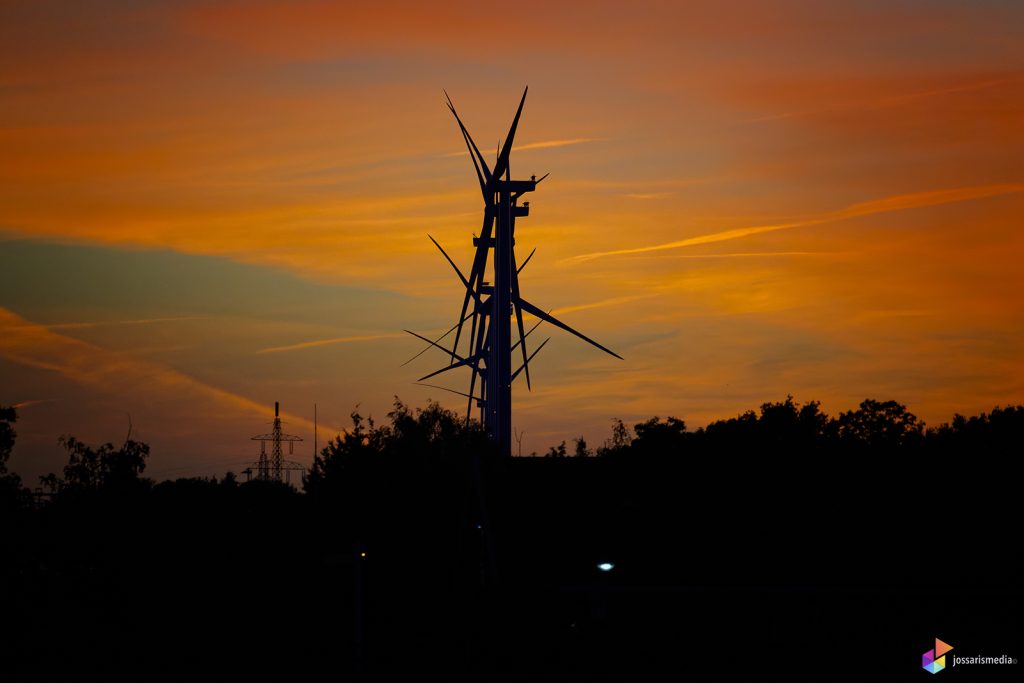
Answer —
(493, 305)
(499, 392)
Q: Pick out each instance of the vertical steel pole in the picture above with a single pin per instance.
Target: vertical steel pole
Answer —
(501, 352)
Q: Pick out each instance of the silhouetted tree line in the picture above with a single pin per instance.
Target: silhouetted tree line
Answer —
(415, 552)
(12, 494)
(416, 440)
(412, 439)
(789, 428)
(108, 469)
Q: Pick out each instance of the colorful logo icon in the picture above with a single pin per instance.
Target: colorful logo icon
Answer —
(934, 661)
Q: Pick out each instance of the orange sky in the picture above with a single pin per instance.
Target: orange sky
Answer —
(209, 206)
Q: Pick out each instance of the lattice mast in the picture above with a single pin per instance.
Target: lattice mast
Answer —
(270, 468)
(491, 306)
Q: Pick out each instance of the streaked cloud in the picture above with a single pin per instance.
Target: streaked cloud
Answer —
(276, 166)
(328, 342)
(106, 371)
(884, 102)
(31, 402)
(544, 144)
(614, 301)
(887, 204)
(760, 254)
(648, 195)
(106, 323)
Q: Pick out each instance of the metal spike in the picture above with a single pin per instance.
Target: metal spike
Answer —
(420, 336)
(450, 330)
(519, 320)
(520, 268)
(458, 272)
(472, 384)
(530, 308)
(529, 332)
(464, 361)
(437, 386)
(502, 164)
(476, 273)
(474, 151)
(535, 352)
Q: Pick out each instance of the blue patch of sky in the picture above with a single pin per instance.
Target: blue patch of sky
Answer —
(56, 283)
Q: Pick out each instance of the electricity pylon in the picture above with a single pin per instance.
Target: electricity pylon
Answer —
(270, 467)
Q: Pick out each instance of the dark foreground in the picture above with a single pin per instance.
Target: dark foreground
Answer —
(734, 568)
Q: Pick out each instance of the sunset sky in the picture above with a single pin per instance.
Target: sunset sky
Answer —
(207, 206)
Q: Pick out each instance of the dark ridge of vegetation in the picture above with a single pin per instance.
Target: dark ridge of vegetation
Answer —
(791, 429)
(433, 436)
(415, 553)
(11, 492)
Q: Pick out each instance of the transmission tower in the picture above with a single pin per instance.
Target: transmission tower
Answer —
(491, 306)
(271, 467)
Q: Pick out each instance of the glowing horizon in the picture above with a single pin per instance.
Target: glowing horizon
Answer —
(210, 206)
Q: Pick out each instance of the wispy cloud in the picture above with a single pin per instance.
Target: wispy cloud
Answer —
(328, 342)
(122, 374)
(638, 188)
(555, 143)
(761, 254)
(544, 144)
(104, 323)
(880, 103)
(31, 402)
(913, 200)
(614, 301)
(648, 195)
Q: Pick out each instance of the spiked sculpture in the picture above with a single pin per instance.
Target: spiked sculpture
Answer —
(491, 307)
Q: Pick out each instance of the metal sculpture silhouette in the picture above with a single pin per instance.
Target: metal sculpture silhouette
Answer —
(488, 308)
